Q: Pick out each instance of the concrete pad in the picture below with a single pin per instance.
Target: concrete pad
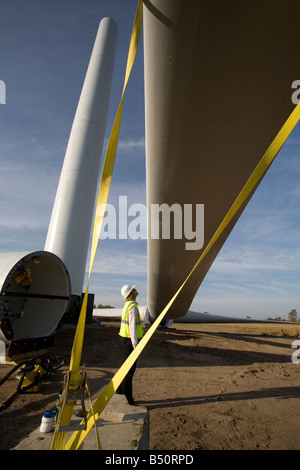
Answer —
(120, 427)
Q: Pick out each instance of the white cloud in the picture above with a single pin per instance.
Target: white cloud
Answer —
(250, 261)
(116, 262)
(27, 196)
(128, 145)
(255, 307)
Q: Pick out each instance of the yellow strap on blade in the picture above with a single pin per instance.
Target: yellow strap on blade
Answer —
(106, 176)
(76, 439)
(59, 438)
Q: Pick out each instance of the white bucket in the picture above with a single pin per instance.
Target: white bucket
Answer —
(48, 421)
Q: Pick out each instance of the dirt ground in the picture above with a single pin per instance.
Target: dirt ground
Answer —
(206, 386)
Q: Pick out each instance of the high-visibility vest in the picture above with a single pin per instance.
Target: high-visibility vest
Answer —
(124, 328)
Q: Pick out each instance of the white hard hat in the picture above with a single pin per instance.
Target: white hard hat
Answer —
(125, 291)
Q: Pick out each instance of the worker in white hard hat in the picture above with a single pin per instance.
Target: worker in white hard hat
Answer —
(131, 332)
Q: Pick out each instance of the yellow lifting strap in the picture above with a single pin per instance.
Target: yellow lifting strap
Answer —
(75, 379)
(77, 437)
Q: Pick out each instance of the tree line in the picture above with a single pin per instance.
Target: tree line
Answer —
(292, 316)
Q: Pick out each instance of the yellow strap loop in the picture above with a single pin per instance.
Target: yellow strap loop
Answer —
(105, 181)
(59, 438)
(262, 167)
(76, 439)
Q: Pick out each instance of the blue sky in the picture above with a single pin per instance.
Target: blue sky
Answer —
(44, 52)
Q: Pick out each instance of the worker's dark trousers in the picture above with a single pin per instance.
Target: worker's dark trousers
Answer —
(126, 386)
